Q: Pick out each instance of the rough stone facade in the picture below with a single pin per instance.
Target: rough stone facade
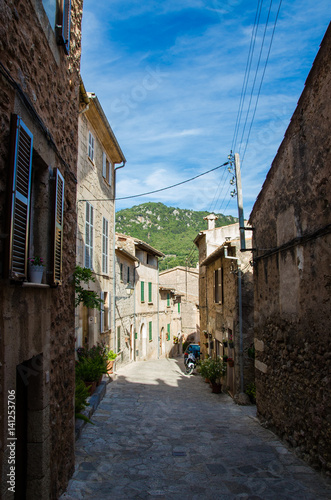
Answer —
(40, 84)
(139, 340)
(223, 322)
(186, 282)
(95, 217)
(292, 273)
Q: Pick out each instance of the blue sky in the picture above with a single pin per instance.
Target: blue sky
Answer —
(169, 76)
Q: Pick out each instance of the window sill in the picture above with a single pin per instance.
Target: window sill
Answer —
(150, 303)
(28, 284)
(91, 161)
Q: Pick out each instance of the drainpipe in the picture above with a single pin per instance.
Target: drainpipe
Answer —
(158, 310)
(114, 262)
(134, 312)
(241, 340)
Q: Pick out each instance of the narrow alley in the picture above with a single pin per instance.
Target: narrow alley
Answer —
(161, 434)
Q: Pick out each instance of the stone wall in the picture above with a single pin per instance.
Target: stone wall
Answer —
(292, 220)
(40, 83)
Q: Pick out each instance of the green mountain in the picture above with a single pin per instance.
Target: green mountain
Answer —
(168, 229)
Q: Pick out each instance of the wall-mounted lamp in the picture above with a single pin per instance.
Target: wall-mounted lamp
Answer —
(129, 288)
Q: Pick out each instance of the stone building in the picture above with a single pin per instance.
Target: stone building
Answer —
(98, 155)
(292, 284)
(226, 303)
(185, 280)
(170, 322)
(39, 65)
(137, 318)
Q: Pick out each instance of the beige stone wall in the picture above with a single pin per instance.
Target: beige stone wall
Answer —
(292, 275)
(92, 186)
(37, 324)
(185, 281)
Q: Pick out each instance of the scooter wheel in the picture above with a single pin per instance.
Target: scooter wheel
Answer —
(189, 369)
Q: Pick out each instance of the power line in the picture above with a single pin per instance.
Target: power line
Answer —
(264, 70)
(159, 190)
(256, 72)
(247, 72)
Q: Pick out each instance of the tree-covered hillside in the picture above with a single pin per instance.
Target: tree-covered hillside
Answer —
(168, 229)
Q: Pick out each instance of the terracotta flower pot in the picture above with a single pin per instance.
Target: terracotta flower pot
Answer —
(216, 388)
(91, 386)
(230, 362)
(110, 366)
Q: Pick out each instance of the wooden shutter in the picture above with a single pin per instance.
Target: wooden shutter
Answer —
(179, 307)
(150, 292)
(58, 227)
(218, 289)
(168, 299)
(66, 25)
(168, 331)
(150, 329)
(21, 167)
(104, 165)
(142, 290)
(102, 312)
(118, 339)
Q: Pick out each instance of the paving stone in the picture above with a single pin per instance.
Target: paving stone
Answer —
(161, 434)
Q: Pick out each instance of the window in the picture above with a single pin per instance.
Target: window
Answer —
(104, 245)
(106, 168)
(168, 331)
(59, 16)
(105, 312)
(218, 286)
(91, 146)
(150, 331)
(128, 275)
(25, 208)
(142, 291)
(178, 307)
(118, 339)
(89, 236)
(168, 299)
(150, 297)
(121, 272)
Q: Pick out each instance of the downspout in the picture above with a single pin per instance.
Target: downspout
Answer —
(114, 255)
(134, 312)
(158, 310)
(241, 340)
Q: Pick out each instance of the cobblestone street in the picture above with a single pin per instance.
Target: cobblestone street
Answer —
(161, 434)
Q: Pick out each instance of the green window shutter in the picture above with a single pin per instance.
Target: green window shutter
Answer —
(150, 329)
(179, 307)
(118, 339)
(150, 292)
(168, 331)
(21, 165)
(168, 299)
(136, 336)
(142, 290)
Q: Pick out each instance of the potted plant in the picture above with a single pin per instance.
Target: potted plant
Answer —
(230, 362)
(225, 342)
(89, 370)
(203, 368)
(111, 356)
(36, 269)
(216, 370)
(231, 344)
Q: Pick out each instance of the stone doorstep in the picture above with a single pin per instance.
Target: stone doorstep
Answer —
(94, 402)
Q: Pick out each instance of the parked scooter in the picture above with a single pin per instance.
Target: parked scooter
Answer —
(190, 363)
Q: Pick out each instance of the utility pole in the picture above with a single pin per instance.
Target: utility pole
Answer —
(240, 202)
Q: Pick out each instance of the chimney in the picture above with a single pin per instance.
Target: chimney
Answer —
(211, 220)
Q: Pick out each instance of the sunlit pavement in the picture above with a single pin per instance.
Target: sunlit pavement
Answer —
(161, 434)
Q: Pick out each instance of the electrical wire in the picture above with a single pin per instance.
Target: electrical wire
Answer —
(162, 189)
(247, 72)
(256, 72)
(262, 78)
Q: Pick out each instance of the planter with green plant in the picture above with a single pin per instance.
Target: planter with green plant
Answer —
(89, 370)
(203, 368)
(81, 395)
(216, 370)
